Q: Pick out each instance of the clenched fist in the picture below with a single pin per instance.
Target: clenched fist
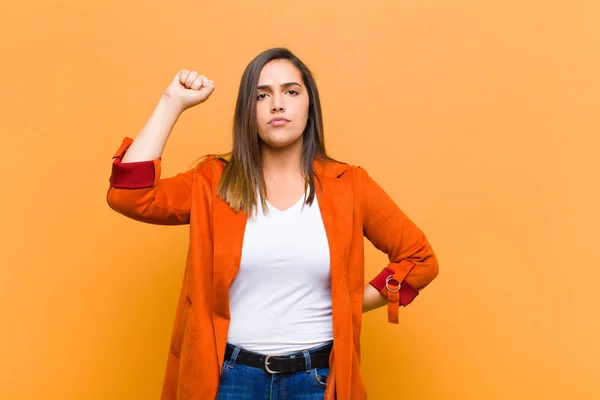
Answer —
(189, 89)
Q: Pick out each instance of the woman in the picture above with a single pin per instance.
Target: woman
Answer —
(273, 290)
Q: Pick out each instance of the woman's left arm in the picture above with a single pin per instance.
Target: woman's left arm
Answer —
(372, 299)
(413, 264)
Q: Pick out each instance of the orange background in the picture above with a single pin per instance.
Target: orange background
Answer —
(478, 117)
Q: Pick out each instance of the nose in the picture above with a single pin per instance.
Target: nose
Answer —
(277, 103)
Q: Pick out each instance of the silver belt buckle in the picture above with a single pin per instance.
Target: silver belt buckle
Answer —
(267, 365)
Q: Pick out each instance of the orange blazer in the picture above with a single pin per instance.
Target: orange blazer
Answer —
(352, 206)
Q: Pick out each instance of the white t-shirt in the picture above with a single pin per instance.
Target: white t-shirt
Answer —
(280, 301)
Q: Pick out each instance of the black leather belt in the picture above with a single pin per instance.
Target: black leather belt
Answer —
(275, 364)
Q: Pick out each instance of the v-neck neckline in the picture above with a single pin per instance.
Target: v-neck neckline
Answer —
(290, 208)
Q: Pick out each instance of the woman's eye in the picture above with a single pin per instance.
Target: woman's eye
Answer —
(292, 92)
(261, 96)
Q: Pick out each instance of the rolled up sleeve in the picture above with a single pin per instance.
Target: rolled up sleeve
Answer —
(138, 192)
(413, 263)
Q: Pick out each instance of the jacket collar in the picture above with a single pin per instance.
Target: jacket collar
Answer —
(329, 169)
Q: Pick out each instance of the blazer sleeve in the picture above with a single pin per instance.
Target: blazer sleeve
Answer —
(137, 191)
(413, 263)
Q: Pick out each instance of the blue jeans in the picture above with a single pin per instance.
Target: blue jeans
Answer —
(240, 382)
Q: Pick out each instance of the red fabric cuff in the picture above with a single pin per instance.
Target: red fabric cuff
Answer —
(135, 175)
(407, 291)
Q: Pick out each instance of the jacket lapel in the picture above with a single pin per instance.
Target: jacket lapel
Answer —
(228, 236)
(336, 202)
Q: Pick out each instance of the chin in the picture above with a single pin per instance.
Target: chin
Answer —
(281, 141)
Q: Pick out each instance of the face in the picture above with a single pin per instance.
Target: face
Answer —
(281, 105)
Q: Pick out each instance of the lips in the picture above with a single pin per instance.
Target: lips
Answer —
(278, 121)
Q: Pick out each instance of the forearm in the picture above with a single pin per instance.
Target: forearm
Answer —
(150, 142)
(372, 299)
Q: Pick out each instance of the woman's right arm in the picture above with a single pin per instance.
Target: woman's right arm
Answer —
(136, 189)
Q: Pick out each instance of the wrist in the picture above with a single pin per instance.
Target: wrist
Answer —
(170, 105)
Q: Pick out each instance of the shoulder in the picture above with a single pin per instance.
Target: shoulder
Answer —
(209, 167)
(340, 170)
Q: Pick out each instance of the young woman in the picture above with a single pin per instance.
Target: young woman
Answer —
(273, 291)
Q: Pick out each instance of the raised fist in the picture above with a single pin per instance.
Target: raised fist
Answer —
(188, 89)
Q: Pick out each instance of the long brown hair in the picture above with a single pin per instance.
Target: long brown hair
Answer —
(243, 174)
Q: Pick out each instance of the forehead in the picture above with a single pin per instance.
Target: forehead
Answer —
(279, 71)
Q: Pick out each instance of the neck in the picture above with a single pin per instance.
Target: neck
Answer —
(282, 161)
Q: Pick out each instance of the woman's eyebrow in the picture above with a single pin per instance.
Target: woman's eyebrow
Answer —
(284, 85)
